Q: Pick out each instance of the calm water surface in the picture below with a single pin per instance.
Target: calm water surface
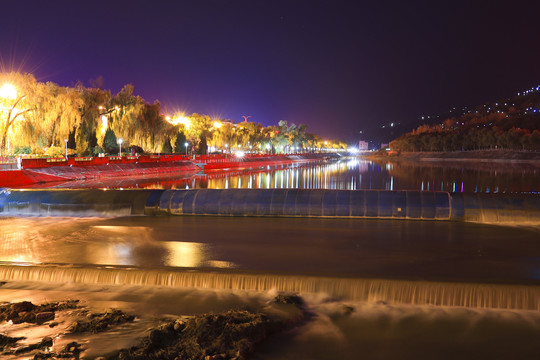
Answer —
(349, 174)
(322, 247)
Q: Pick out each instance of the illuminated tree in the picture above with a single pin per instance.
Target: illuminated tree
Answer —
(56, 114)
(17, 100)
(94, 118)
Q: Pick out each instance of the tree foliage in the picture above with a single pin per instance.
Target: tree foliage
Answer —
(43, 115)
(511, 124)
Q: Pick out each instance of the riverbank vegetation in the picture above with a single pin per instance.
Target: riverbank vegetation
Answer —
(45, 118)
(512, 124)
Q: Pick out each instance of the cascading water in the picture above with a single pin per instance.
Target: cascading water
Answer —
(371, 290)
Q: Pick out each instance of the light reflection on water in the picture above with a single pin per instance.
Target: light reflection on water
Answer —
(348, 174)
(61, 240)
(358, 174)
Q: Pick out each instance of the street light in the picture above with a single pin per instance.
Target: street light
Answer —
(66, 141)
(8, 91)
(120, 141)
(186, 145)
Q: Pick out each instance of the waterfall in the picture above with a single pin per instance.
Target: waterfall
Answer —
(526, 297)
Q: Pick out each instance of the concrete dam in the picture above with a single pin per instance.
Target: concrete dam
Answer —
(504, 209)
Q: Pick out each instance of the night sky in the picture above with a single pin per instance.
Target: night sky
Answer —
(340, 67)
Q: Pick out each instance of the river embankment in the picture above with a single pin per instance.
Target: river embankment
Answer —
(28, 172)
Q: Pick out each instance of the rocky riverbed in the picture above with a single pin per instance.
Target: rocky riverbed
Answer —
(233, 334)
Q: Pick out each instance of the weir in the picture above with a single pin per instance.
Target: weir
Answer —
(372, 290)
(506, 209)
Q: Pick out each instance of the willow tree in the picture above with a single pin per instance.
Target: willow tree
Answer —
(56, 114)
(249, 133)
(224, 135)
(152, 130)
(17, 100)
(94, 110)
(137, 122)
(198, 131)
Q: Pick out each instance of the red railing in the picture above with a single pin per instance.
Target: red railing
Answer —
(86, 161)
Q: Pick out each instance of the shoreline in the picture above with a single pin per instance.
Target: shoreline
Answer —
(473, 156)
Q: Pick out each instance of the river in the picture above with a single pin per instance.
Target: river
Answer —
(347, 174)
(378, 289)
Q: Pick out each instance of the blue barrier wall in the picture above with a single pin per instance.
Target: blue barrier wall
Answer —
(483, 208)
(303, 203)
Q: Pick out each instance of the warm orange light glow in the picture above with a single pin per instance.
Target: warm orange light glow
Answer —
(8, 91)
(180, 120)
(217, 124)
(104, 123)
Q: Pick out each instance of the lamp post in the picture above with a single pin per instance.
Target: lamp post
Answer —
(186, 145)
(120, 141)
(66, 141)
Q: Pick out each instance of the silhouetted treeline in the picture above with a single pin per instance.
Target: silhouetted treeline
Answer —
(510, 124)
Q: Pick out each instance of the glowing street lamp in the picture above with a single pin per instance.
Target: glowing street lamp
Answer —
(186, 145)
(120, 141)
(8, 91)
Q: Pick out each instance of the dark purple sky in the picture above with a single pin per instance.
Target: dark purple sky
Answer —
(338, 66)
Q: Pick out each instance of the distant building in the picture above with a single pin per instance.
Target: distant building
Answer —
(384, 146)
(363, 145)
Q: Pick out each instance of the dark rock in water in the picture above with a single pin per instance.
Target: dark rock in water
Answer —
(292, 299)
(8, 345)
(70, 351)
(100, 322)
(232, 335)
(348, 310)
(23, 306)
(25, 316)
(7, 341)
(25, 311)
(44, 317)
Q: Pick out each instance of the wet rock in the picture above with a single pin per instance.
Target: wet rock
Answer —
(231, 335)
(45, 343)
(289, 299)
(179, 325)
(7, 341)
(348, 310)
(98, 322)
(71, 351)
(24, 316)
(44, 317)
(25, 311)
(23, 306)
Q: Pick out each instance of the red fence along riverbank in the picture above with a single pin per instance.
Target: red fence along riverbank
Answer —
(43, 170)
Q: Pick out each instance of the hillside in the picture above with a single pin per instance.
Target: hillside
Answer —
(512, 123)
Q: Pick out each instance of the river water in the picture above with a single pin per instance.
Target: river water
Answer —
(348, 174)
(378, 289)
